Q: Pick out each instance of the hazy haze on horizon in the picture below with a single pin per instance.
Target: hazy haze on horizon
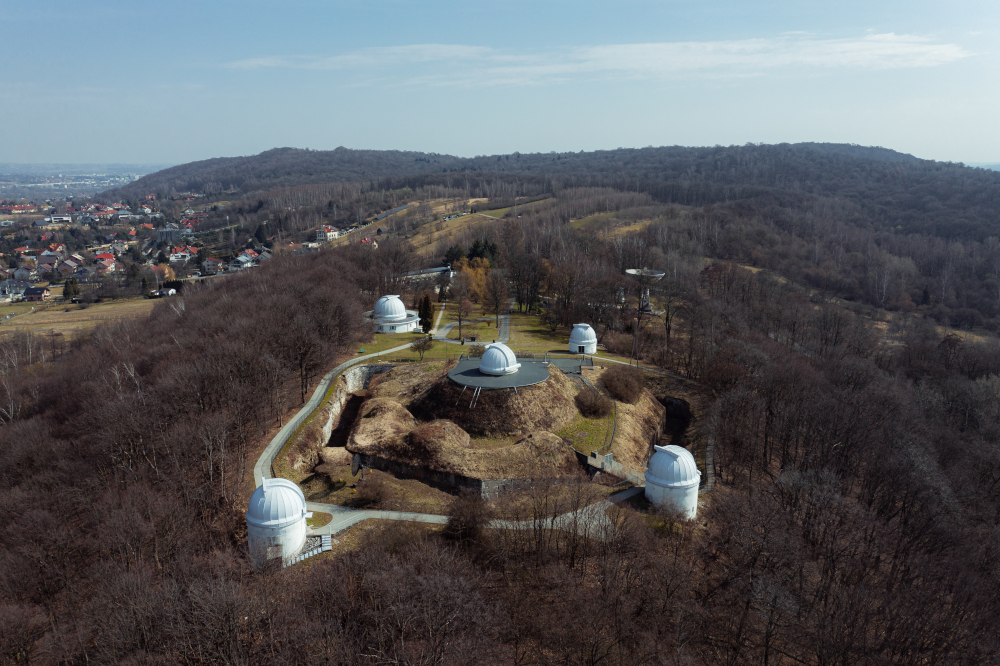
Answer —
(116, 82)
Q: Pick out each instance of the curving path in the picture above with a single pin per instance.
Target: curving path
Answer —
(262, 470)
(589, 521)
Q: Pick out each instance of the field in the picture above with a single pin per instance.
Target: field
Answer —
(71, 320)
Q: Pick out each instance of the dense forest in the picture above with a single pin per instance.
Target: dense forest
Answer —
(856, 518)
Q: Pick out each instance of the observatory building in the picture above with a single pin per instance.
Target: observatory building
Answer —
(582, 340)
(391, 316)
(672, 479)
(276, 521)
(498, 359)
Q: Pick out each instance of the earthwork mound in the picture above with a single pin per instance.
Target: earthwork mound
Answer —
(546, 406)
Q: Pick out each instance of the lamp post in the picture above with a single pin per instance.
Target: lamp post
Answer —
(644, 278)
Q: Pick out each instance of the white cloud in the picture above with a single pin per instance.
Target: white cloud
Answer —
(445, 64)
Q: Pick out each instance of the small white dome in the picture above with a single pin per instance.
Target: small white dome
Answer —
(277, 502)
(498, 359)
(672, 467)
(389, 308)
(582, 334)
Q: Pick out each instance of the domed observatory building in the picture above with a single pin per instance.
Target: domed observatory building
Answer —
(672, 479)
(391, 316)
(498, 359)
(276, 521)
(582, 340)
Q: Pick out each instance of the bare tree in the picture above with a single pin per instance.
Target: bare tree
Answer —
(497, 293)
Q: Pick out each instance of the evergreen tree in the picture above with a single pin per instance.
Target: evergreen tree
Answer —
(426, 312)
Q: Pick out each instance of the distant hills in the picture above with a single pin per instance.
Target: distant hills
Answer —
(292, 166)
(884, 187)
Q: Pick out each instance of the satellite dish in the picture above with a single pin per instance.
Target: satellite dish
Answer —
(356, 464)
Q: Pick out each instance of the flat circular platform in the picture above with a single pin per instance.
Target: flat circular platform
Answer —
(467, 373)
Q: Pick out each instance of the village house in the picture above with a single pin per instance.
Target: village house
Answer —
(13, 289)
(36, 294)
(213, 265)
(25, 274)
(183, 253)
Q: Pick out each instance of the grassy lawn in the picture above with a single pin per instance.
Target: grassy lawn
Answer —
(483, 330)
(15, 309)
(319, 519)
(529, 333)
(382, 341)
(588, 434)
(496, 212)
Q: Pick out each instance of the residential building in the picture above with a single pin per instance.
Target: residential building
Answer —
(327, 233)
(36, 294)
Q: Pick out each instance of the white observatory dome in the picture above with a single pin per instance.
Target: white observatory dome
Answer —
(391, 316)
(672, 479)
(389, 308)
(276, 521)
(498, 359)
(583, 339)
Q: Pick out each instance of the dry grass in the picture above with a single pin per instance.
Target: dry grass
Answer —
(72, 320)
(546, 406)
(513, 435)
(339, 487)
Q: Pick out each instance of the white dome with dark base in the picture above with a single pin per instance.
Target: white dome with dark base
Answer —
(391, 316)
(276, 521)
(672, 479)
(583, 339)
(498, 359)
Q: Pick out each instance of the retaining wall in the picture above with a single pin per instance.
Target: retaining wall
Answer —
(446, 481)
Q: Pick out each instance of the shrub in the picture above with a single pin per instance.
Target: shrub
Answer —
(467, 515)
(593, 404)
(624, 383)
(369, 492)
(477, 351)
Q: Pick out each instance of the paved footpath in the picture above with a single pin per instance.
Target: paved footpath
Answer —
(262, 470)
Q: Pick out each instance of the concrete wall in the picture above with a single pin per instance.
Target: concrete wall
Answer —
(446, 481)
(327, 416)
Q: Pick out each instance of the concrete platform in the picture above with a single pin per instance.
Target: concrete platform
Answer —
(466, 373)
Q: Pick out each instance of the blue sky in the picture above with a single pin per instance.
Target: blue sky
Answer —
(116, 81)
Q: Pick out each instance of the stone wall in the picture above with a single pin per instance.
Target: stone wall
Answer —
(316, 435)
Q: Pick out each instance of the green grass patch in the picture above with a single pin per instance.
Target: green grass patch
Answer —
(487, 443)
(483, 330)
(587, 434)
(319, 519)
(496, 212)
(588, 221)
(382, 341)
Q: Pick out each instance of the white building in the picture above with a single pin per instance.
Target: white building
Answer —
(582, 340)
(498, 359)
(276, 521)
(327, 233)
(391, 316)
(672, 479)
